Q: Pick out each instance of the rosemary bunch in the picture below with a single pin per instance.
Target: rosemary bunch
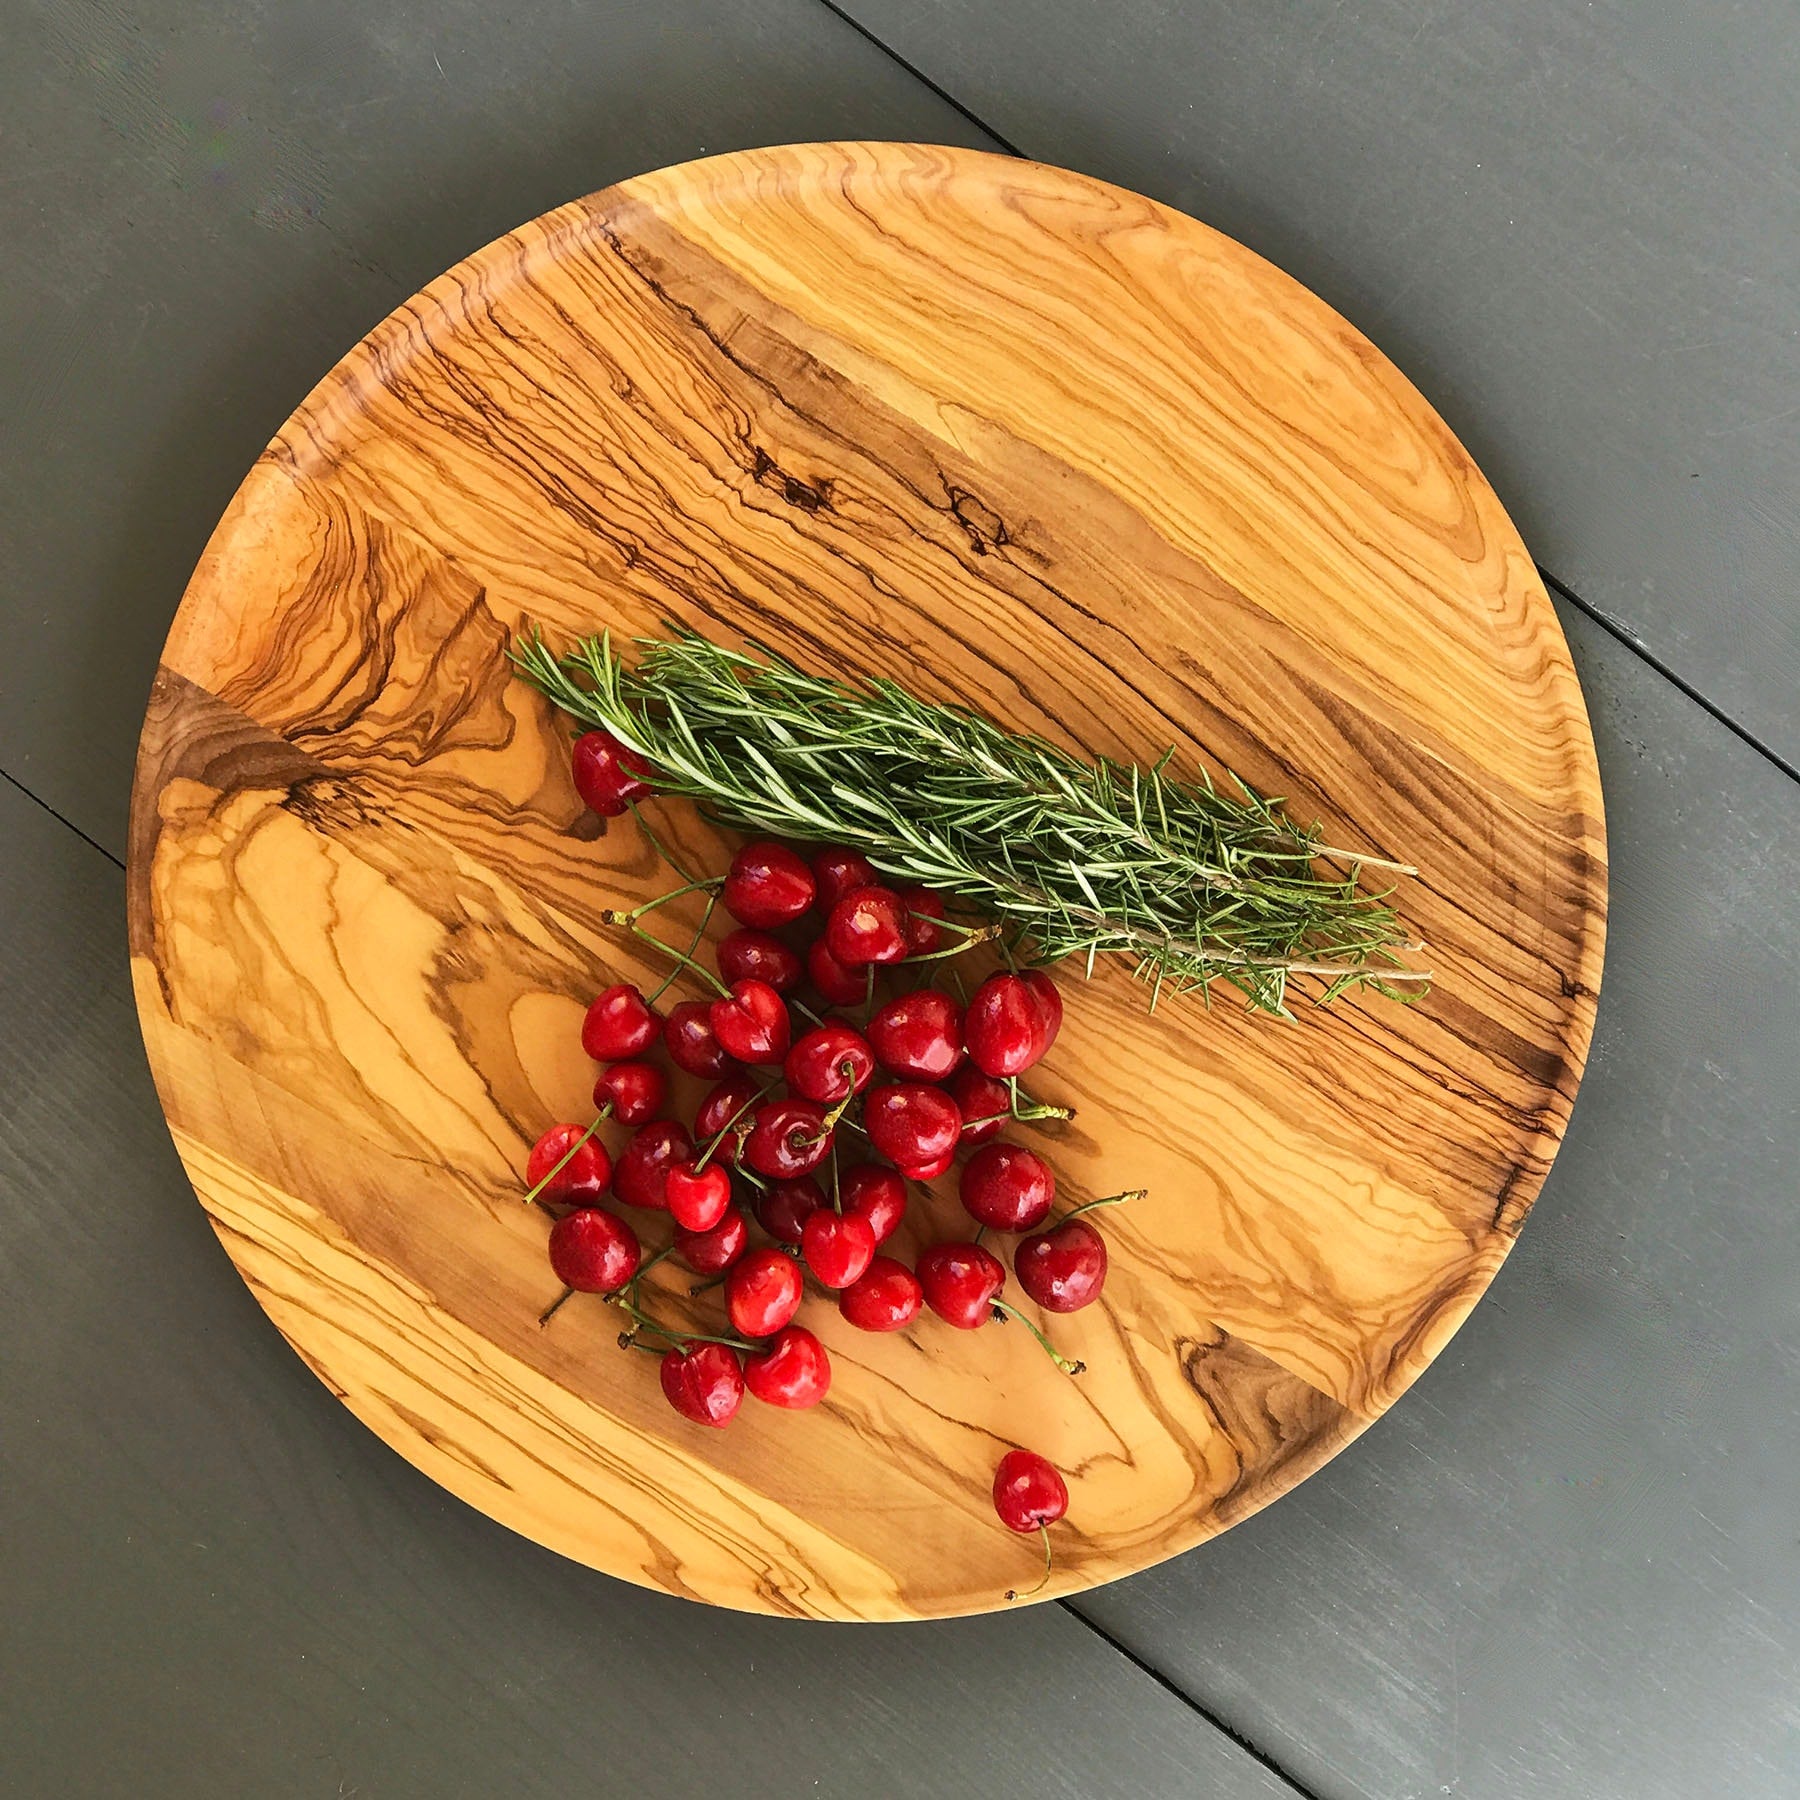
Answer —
(1192, 883)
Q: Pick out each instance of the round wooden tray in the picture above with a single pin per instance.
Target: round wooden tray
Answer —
(1019, 439)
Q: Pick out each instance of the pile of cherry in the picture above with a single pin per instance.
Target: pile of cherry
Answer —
(904, 1083)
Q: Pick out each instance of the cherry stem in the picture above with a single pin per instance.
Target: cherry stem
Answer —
(656, 843)
(1033, 1109)
(568, 1156)
(680, 956)
(848, 1070)
(681, 1339)
(754, 1179)
(956, 981)
(712, 1281)
(550, 1311)
(837, 1204)
(1013, 1593)
(718, 1137)
(1110, 1200)
(1050, 1350)
(977, 935)
(663, 986)
(980, 1233)
(613, 915)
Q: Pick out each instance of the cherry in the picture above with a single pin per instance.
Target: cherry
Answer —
(704, 1383)
(727, 1106)
(928, 1171)
(1028, 1492)
(838, 1246)
(878, 1194)
(698, 1198)
(868, 925)
(692, 1043)
(581, 1181)
(911, 1125)
(923, 909)
(1049, 1004)
(785, 1208)
(642, 1175)
(762, 1292)
(1064, 1269)
(837, 870)
(829, 1063)
(1007, 1187)
(753, 1023)
(887, 1297)
(840, 985)
(794, 1371)
(1004, 1026)
(919, 1034)
(634, 1090)
(748, 955)
(618, 1024)
(960, 1282)
(768, 885)
(985, 1104)
(713, 1252)
(593, 1251)
(789, 1138)
(608, 775)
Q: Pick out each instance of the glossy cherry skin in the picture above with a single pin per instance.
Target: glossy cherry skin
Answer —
(593, 1251)
(829, 1062)
(608, 777)
(713, 1252)
(582, 1179)
(837, 870)
(1007, 1187)
(923, 908)
(1063, 1269)
(960, 1282)
(705, 1383)
(878, 1194)
(840, 985)
(641, 1176)
(867, 926)
(753, 1023)
(919, 1034)
(789, 1138)
(767, 885)
(910, 1124)
(1004, 1027)
(985, 1104)
(692, 1043)
(618, 1025)
(1049, 1005)
(784, 1209)
(698, 1198)
(729, 1107)
(749, 955)
(1028, 1493)
(762, 1292)
(838, 1247)
(887, 1297)
(928, 1171)
(794, 1371)
(634, 1090)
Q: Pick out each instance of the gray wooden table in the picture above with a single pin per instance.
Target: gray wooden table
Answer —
(1567, 1564)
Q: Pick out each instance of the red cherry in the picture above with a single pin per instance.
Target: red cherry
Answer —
(960, 1282)
(713, 1252)
(1049, 1005)
(1007, 1187)
(698, 1198)
(705, 1383)
(829, 1062)
(840, 985)
(593, 1251)
(581, 1180)
(753, 1023)
(642, 1175)
(887, 1297)
(747, 955)
(789, 1138)
(762, 1292)
(837, 870)
(910, 1124)
(1028, 1493)
(618, 1024)
(878, 1194)
(923, 907)
(634, 1090)
(692, 1043)
(868, 925)
(928, 1171)
(727, 1105)
(1062, 1270)
(1004, 1026)
(794, 1371)
(784, 1209)
(919, 1034)
(608, 776)
(838, 1246)
(985, 1104)
(768, 885)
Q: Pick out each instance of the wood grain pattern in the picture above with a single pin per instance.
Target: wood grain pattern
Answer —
(1020, 439)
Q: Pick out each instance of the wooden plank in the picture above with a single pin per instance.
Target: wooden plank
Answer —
(1574, 223)
(272, 1603)
(1566, 1563)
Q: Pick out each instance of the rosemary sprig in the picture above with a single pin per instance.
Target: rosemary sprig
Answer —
(1191, 882)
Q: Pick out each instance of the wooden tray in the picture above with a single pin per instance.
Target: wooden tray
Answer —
(1019, 439)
